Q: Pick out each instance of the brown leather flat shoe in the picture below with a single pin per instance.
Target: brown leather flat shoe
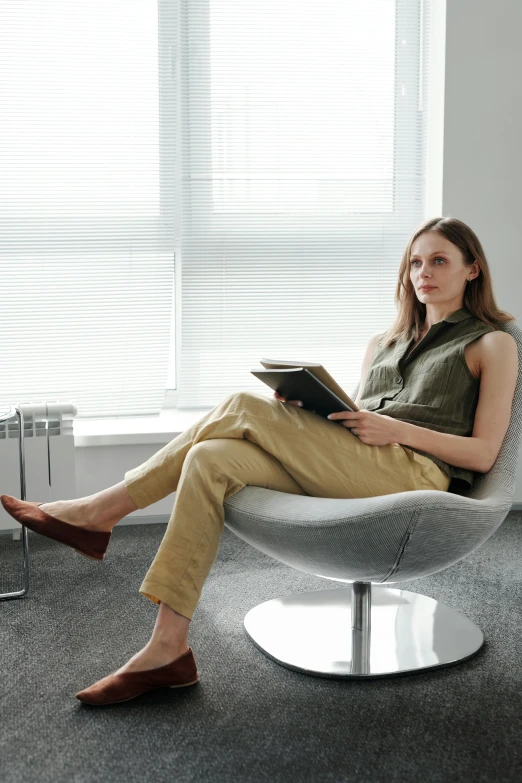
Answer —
(127, 685)
(90, 543)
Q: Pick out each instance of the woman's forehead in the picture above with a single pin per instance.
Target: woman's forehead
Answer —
(432, 242)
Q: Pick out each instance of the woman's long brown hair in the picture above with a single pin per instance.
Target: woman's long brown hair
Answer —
(478, 294)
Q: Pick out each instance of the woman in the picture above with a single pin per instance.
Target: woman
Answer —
(435, 400)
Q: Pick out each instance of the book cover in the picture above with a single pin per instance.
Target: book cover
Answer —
(320, 373)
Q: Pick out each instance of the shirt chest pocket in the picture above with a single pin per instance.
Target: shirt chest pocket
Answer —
(427, 384)
(378, 383)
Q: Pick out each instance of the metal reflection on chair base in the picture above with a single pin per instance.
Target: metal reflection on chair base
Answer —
(362, 631)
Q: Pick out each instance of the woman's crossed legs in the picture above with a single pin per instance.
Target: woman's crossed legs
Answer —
(247, 439)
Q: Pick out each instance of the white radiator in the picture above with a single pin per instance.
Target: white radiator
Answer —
(49, 455)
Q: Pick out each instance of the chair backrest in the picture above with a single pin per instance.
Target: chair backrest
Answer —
(507, 459)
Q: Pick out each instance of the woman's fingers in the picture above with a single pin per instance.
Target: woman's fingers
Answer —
(297, 403)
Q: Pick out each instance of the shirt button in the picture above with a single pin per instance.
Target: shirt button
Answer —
(398, 379)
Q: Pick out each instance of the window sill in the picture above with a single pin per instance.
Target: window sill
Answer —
(135, 430)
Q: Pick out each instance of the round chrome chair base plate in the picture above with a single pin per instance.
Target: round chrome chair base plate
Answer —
(312, 633)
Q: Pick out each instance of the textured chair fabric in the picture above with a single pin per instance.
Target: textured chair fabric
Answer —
(388, 538)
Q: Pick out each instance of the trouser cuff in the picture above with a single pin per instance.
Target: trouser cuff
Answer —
(157, 592)
(135, 484)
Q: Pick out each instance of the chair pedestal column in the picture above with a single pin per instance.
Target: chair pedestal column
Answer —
(363, 631)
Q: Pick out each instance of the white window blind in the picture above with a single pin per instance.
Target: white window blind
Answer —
(87, 146)
(303, 159)
(275, 151)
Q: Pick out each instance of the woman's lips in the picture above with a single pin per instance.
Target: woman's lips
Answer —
(427, 287)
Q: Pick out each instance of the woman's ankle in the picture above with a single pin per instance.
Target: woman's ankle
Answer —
(109, 506)
(175, 646)
(170, 629)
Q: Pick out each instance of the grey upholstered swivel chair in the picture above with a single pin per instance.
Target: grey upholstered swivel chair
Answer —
(367, 630)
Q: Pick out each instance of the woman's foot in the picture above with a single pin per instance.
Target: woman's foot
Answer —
(169, 640)
(145, 670)
(125, 685)
(152, 656)
(80, 514)
(101, 511)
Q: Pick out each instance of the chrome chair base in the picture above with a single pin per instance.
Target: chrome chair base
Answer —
(363, 631)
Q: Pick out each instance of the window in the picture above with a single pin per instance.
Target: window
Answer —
(87, 246)
(303, 137)
(234, 179)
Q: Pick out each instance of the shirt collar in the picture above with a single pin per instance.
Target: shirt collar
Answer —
(458, 315)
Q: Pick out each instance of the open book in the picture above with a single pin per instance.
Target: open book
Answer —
(306, 381)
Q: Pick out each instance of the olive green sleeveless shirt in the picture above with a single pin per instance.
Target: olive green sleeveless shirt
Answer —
(433, 386)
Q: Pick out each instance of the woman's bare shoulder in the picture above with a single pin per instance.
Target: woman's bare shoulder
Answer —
(478, 354)
(498, 338)
(493, 345)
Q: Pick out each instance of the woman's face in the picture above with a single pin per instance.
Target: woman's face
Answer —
(437, 262)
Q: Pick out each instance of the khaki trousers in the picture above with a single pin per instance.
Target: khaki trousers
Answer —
(252, 439)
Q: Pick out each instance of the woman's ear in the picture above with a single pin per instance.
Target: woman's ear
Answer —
(474, 270)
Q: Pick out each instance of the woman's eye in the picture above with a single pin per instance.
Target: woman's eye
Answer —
(439, 258)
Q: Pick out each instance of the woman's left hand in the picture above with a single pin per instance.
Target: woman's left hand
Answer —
(372, 428)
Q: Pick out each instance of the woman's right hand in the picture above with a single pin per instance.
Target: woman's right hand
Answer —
(297, 403)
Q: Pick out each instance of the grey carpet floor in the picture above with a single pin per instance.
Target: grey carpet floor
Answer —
(248, 719)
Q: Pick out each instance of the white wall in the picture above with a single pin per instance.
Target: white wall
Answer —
(482, 166)
(482, 161)
(476, 110)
